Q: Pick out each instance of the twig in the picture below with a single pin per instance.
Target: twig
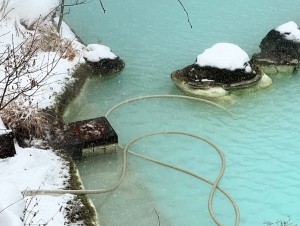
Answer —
(102, 6)
(187, 14)
(157, 217)
(11, 205)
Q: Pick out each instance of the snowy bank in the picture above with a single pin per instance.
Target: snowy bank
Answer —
(30, 169)
(38, 63)
(53, 57)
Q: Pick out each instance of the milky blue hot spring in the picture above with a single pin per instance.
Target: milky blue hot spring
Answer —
(260, 140)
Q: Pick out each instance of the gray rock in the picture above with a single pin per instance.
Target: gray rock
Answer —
(198, 77)
(278, 55)
(105, 67)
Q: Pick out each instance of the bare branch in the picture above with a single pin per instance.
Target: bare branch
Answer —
(187, 14)
(62, 9)
(157, 217)
(22, 76)
(102, 6)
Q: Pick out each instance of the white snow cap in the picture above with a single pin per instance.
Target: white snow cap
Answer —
(96, 52)
(290, 31)
(224, 56)
(31, 10)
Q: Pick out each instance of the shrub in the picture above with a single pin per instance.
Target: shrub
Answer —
(26, 121)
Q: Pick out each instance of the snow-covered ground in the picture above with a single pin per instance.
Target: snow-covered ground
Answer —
(33, 168)
(58, 63)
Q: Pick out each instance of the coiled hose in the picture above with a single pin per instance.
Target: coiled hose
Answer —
(126, 151)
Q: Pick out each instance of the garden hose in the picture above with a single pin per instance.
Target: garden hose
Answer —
(126, 151)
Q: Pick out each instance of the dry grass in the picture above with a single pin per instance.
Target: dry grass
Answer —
(48, 40)
(26, 121)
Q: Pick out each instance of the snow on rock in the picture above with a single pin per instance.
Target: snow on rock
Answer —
(224, 56)
(96, 52)
(31, 10)
(290, 31)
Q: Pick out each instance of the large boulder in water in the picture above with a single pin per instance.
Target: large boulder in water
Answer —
(218, 71)
(280, 50)
(100, 61)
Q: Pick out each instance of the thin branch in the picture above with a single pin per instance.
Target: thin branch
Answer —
(157, 217)
(5, 14)
(11, 204)
(102, 6)
(187, 14)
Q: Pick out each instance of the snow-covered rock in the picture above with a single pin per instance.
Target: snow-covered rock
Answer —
(290, 31)
(217, 72)
(280, 50)
(100, 61)
(224, 56)
(96, 52)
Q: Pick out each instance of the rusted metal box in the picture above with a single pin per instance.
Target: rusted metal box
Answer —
(89, 133)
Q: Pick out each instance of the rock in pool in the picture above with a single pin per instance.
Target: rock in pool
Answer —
(100, 61)
(280, 50)
(219, 71)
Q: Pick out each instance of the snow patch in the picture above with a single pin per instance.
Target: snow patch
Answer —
(44, 168)
(224, 56)
(290, 31)
(3, 129)
(12, 204)
(96, 52)
(35, 169)
(50, 210)
(31, 10)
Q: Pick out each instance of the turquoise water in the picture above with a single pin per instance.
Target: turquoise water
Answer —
(260, 142)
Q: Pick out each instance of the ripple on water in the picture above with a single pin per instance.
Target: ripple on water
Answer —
(260, 143)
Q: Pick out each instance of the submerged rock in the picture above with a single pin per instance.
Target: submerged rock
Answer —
(280, 50)
(218, 71)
